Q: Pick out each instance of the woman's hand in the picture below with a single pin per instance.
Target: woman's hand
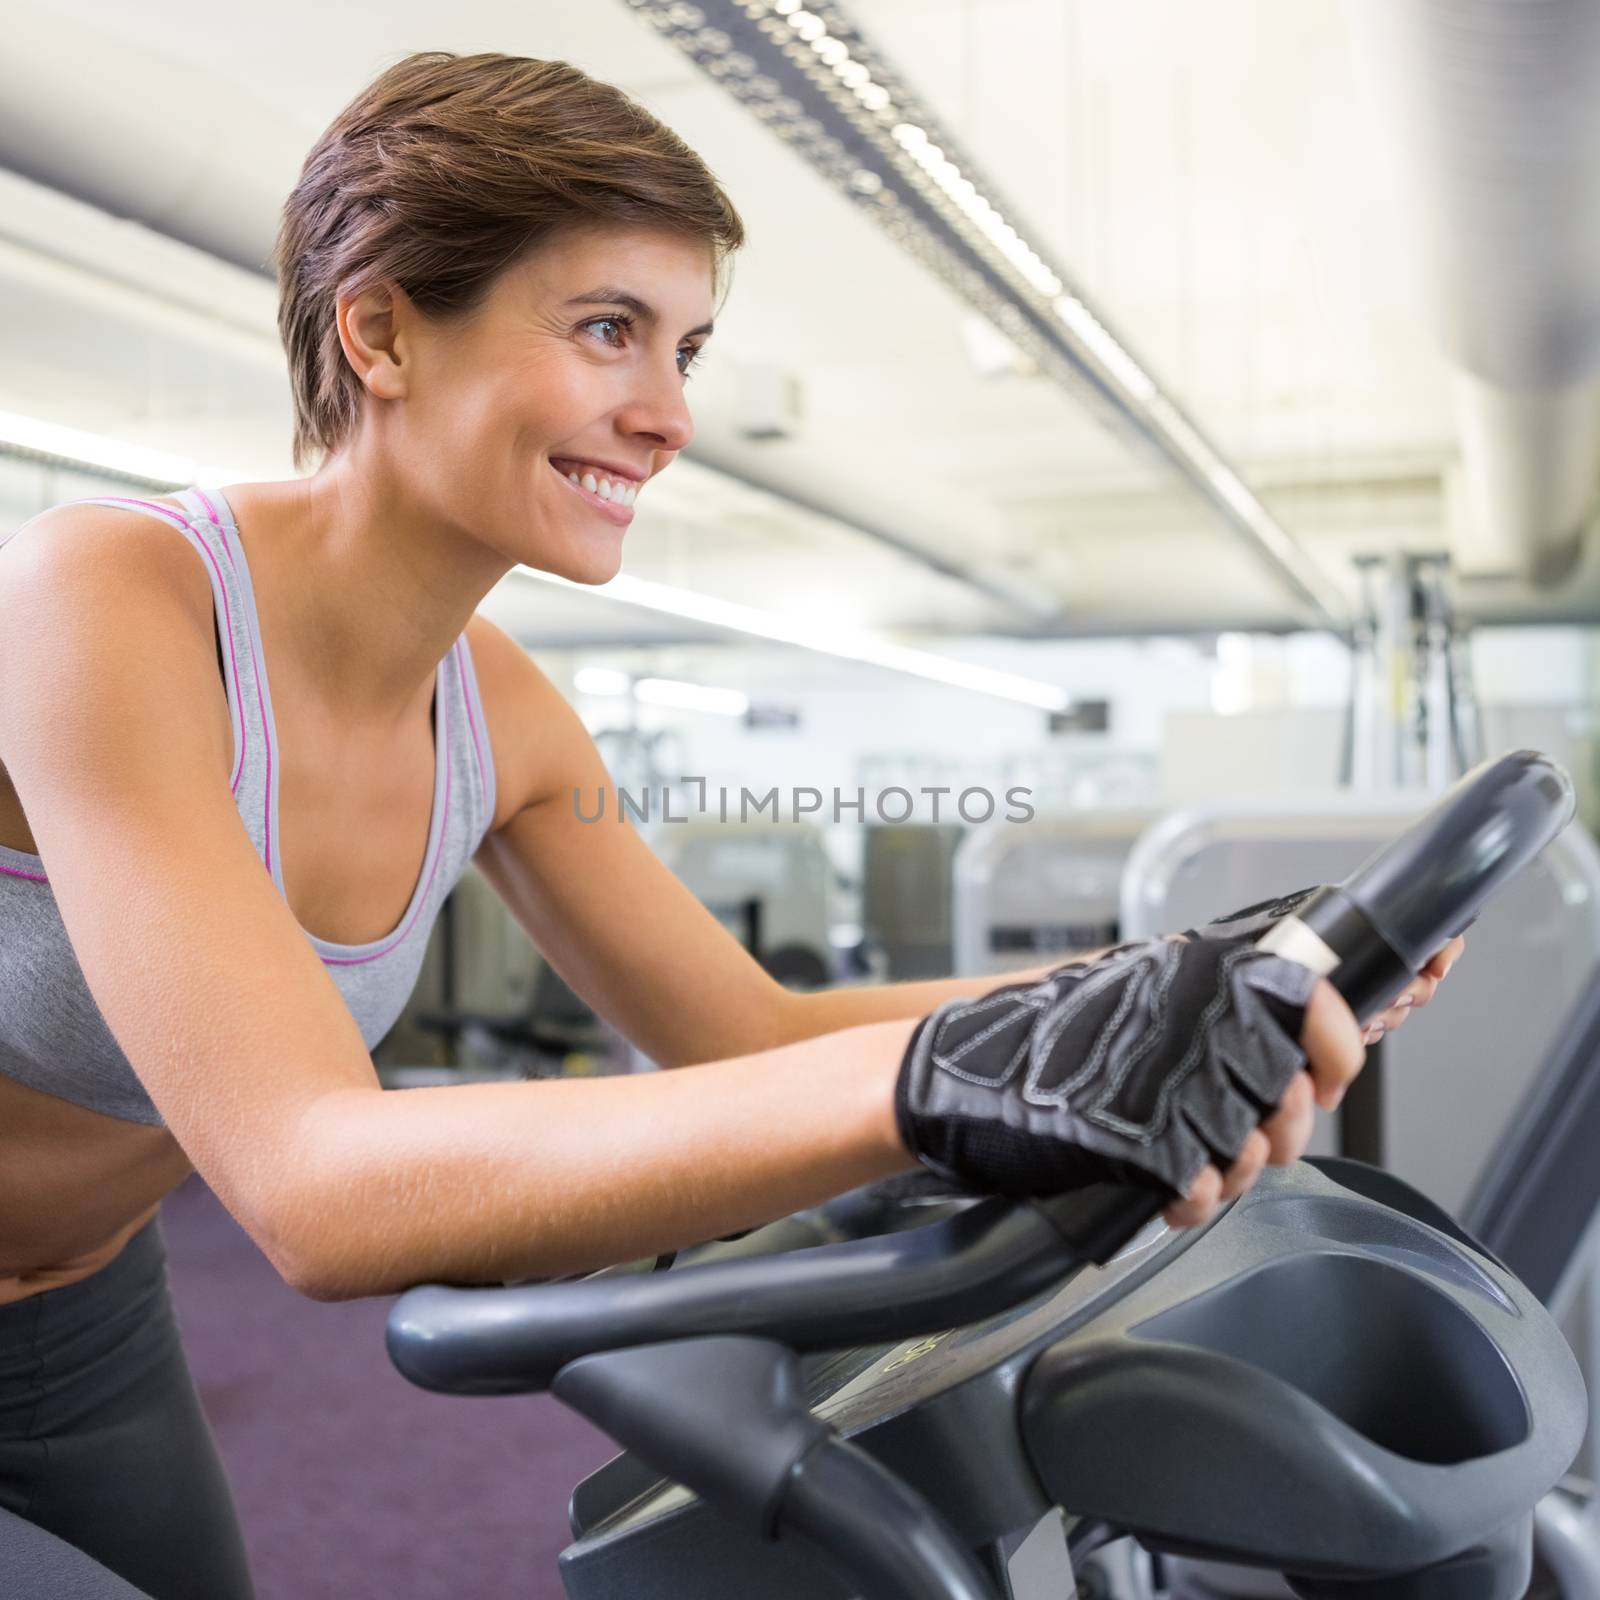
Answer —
(1417, 993)
(1327, 1040)
(1335, 1053)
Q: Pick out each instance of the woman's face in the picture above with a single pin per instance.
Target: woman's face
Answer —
(573, 366)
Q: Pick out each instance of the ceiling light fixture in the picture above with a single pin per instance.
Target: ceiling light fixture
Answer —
(600, 681)
(115, 458)
(680, 696)
(813, 79)
(848, 645)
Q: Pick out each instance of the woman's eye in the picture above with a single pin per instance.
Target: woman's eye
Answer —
(688, 355)
(607, 322)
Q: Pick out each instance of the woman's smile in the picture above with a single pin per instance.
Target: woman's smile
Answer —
(611, 496)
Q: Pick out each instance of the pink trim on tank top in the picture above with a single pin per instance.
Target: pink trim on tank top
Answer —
(17, 872)
(261, 704)
(469, 693)
(222, 589)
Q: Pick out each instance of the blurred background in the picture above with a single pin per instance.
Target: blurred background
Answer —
(1187, 416)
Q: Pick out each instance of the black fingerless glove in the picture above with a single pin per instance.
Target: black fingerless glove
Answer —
(1252, 921)
(1138, 1067)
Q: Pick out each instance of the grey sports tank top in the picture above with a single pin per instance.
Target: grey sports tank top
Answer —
(52, 1036)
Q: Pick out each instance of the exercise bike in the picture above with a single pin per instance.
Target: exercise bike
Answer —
(1328, 1381)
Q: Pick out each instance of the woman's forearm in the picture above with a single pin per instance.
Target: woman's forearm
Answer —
(498, 1182)
(827, 1010)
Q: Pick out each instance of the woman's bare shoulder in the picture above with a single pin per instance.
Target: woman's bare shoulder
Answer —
(80, 539)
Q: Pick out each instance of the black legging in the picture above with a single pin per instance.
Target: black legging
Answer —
(110, 1484)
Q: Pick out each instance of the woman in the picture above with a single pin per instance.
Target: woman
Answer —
(495, 277)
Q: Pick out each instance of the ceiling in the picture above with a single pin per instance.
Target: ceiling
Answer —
(1201, 171)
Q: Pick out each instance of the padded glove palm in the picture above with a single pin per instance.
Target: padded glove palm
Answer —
(1138, 1067)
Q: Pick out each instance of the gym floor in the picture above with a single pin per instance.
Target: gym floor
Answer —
(351, 1484)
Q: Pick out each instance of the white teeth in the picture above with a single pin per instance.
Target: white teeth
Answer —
(618, 493)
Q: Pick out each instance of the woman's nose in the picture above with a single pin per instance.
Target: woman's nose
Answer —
(662, 413)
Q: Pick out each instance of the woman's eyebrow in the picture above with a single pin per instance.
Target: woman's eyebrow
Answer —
(621, 297)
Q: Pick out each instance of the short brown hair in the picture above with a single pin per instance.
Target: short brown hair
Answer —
(444, 171)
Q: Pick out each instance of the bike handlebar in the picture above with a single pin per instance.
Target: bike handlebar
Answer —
(1373, 933)
(515, 1340)
(1369, 935)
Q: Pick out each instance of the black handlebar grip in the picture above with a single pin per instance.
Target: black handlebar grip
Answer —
(1373, 933)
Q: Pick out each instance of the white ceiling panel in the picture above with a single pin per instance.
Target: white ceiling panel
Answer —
(1201, 171)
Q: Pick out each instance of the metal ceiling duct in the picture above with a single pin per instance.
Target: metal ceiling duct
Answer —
(90, 132)
(1488, 114)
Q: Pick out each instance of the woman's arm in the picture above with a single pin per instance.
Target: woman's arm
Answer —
(246, 1047)
(499, 1182)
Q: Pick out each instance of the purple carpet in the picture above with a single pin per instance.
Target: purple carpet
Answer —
(351, 1484)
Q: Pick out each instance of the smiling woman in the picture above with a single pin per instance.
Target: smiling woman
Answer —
(550, 254)
(214, 895)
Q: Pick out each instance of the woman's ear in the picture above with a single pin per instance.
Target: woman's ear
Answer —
(370, 324)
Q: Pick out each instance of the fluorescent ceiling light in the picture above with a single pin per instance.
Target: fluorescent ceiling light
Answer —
(93, 450)
(600, 680)
(851, 646)
(1092, 333)
(691, 696)
(1226, 482)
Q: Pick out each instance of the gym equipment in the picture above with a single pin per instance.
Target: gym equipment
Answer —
(1537, 1207)
(554, 1027)
(485, 985)
(905, 895)
(1413, 716)
(479, 962)
(1023, 894)
(768, 882)
(1074, 1356)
